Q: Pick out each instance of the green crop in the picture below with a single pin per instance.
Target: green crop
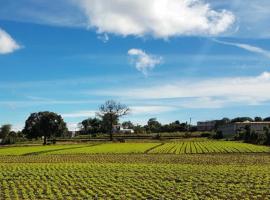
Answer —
(199, 147)
(176, 147)
(133, 181)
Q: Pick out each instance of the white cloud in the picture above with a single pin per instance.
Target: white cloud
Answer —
(104, 38)
(79, 114)
(7, 43)
(210, 93)
(158, 18)
(247, 47)
(137, 110)
(143, 61)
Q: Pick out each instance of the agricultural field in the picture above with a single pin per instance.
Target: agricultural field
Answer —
(201, 147)
(176, 147)
(205, 169)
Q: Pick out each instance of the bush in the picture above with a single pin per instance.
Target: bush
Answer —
(218, 135)
(205, 135)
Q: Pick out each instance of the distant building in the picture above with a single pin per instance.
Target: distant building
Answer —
(206, 126)
(234, 128)
(120, 129)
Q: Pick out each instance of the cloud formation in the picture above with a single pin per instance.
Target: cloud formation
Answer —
(79, 114)
(208, 93)
(143, 62)
(246, 47)
(7, 43)
(157, 18)
(150, 109)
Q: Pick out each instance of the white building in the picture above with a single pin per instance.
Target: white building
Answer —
(234, 128)
(120, 129)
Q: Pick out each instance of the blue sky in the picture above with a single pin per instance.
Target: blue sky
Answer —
(199, 59)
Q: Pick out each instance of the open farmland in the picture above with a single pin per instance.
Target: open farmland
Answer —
(136, 176)
(206, 169)
(195, 147)
(178, 147)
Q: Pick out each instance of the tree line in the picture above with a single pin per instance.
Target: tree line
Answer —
(51, 125)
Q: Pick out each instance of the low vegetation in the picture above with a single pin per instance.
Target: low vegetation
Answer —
(188, 146)
(136, 176)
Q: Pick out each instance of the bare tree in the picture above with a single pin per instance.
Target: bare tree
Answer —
(110, 112)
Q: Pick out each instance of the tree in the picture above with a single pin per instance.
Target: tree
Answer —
(258, 119)
(128, 125)
(91, 125)
(242, 119)
(222, 122)
(5, 131)
(267, 119)
(44, 124)
(110, 112)
(267, 134)
(153, 125)
(247, 133)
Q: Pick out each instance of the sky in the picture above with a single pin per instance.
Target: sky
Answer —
(169, 59)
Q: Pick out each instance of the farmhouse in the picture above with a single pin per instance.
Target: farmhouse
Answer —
(206, 126)
(233, 128)
(120, 129)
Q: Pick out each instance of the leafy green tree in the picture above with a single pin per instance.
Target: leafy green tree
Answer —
(91, 125)
(247, 132)
(5, 131)
(242, 119)
(267, 119)
(139, 129)
(110, 112)
(6, 134)
(258, 119)
(128, 124)
(267, 134)
(44, 124)
(153, 125)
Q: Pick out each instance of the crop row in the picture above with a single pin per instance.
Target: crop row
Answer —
(199, 147)
(178, 147)
(133, 181)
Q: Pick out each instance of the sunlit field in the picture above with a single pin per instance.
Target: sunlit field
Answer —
(176, 147)
(185, 169)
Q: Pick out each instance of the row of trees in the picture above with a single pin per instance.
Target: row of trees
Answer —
(96, 125)
(50, 125)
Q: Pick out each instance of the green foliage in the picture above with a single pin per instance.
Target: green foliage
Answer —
(153, 125)
(192, 177)
(6, 135)
(218, 135)
(44, 124)
(91, 126)
(110, 112)
(267, 119)
(208, 146)
(242, 119)
(258, 119)
(128, 125)
(187, 146)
